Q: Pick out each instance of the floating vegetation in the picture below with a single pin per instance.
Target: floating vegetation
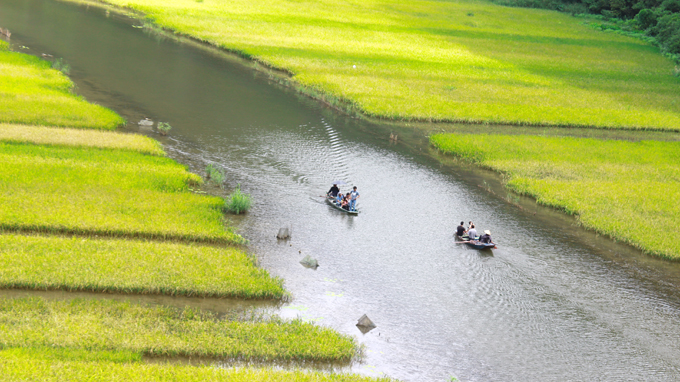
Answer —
(622, 189)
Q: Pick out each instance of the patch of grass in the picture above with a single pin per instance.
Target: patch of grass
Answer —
(34, 94)
(126, 266)
(119, 326)
(105, 192)
(238, 202)
(626, 190)
(79, 138)
(51, 365)
(214, 175)
(395, 59)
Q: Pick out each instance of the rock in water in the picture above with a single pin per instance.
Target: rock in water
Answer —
(365, 324)
(145, 122)
(309, 262)
(283, 234)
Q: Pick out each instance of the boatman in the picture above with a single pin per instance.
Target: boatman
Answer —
(353, 196)
(333, 191)
(460, 230)
(486, 238)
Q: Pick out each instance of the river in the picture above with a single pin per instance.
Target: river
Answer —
(552, 303)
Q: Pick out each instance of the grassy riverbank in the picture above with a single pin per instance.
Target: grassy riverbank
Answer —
(33, 93)
(111, 325)
(47, 365)
(127, 266)
(626, 190)
(431, 60)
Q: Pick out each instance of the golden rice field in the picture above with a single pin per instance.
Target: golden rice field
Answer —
(130, 266)
(32, 93)
(627, 190)
(111, 325)
(52, 365)
(95, 191)
(79, 138)
(466, 60)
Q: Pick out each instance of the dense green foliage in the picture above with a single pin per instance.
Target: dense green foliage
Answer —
(107, 192)
(129, 266)
(627, 190)
(659, 19)
(52, 365)
(79, 138)
(32, 93)
(113, 325)
(238, 202)
(442, 60)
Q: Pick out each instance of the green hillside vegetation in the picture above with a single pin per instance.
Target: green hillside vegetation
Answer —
(112, 325)
(105, 192)
(79, 138)
(32, 93)
(627, 190)
(442, 60)
(126, 266)
(52, 365)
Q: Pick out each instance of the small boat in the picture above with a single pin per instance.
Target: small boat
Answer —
(476, 244)
(331, 201)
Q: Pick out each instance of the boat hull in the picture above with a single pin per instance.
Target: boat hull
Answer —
(331, 202)
(476, 244)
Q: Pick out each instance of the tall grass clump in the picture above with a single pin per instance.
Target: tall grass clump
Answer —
(95, 191)
(160, 331)
(626, 190)
(130, 266)
(430, 61)
(61, 66)
(238, 202)
(33, 93)
(214, 175)
(56, 365)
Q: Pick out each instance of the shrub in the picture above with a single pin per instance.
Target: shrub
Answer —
(164, 127)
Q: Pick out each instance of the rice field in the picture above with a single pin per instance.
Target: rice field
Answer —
(159, 331)
(32, 93)
(64, 364)
(463, 61)
(626, 190)
(79, 138)
(129, 266)
(94, 191)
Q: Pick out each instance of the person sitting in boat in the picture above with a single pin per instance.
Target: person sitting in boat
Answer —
(486, 238)
(460, 230)
(472, 232)
(339, 198)
(345, 202)
(333, 191)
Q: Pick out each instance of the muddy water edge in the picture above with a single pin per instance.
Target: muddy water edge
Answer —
(553, 302)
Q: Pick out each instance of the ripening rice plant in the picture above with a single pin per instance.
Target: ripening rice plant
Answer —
(238, 202)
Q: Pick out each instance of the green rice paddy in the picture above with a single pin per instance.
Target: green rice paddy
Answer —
(128, 266)
(79, 138)
(466, 61)
(626, 190)
(32, 93)
(105, 192)
(47, 365)
(159, 331)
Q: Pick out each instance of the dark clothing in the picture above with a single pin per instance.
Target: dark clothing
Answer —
(346, 207)
(485, 239)
(460, 230)
(334, 191)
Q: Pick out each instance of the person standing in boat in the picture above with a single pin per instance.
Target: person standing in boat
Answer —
(333, 191)
(354, 195)
(486, 238)
(472, 232)
(460, 230)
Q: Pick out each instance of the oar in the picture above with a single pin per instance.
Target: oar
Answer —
(461, 242)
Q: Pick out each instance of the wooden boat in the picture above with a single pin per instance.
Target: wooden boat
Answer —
(331, 202)
(476, 244)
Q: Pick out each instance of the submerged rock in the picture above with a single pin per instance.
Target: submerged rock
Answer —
(309, 262)
(284, 233)
(145, 122)
(365, 324)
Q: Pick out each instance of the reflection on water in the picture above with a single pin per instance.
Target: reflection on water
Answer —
(551, 303)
